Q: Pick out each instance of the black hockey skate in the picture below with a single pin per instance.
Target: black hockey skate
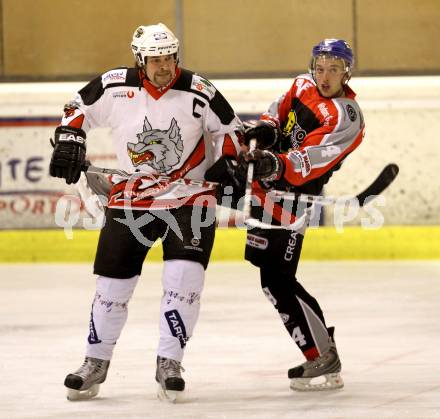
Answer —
(323, 373)
(84, 383)
(171, 383)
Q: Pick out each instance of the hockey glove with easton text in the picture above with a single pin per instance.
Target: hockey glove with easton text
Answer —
(69, 153)
(265, 131)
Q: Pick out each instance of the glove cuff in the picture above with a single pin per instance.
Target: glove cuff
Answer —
(277, 167)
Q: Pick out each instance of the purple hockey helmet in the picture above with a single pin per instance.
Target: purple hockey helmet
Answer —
(337, 48)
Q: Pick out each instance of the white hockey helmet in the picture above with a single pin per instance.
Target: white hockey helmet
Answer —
(153, 40)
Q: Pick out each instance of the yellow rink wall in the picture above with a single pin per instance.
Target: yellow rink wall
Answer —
(324, 243)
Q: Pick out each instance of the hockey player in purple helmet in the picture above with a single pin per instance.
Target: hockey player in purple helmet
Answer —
(302, 139)
(331, 65)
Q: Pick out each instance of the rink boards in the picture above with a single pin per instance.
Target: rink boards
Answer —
(323, 243)
(401, 114)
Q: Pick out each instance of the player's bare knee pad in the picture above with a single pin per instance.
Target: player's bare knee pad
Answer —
(109, 314)
(182, 287)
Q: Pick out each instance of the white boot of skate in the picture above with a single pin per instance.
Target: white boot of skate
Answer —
(171, 383)
(84, 383)
(323, 373)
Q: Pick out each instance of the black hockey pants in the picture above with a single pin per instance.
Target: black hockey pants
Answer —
(277, 253)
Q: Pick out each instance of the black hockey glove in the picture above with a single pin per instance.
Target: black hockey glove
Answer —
(69, 153)
(266, 132)
(226, 171)
(267, 165)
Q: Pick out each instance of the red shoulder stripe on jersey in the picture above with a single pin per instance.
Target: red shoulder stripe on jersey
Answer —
(77, 122)
(229, 147)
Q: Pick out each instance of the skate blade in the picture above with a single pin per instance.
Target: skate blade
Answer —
(169, 396)
(324, 382)
(74, 395)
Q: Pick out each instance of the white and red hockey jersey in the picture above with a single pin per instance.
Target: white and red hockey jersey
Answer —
(318, 134)
(178, 131)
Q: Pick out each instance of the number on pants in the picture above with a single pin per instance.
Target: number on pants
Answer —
(298, 337)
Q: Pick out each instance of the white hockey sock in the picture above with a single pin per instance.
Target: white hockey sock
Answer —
(182, 284)
(109, 314)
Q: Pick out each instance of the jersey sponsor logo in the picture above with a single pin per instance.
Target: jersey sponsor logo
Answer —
(122, 94)
(294, 130)
(159, 149)
(290, 124)
(139, 191)
(203, 86)
(257, 241)
(325, 113)
(177, 326)
(304, 161)
(114, 76)
(351, 113)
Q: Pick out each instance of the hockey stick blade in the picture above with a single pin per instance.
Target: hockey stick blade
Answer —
(383, 180)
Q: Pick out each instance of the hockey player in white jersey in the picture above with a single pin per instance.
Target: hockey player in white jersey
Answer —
(172, 124)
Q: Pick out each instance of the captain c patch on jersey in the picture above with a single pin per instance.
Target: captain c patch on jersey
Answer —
(159, 149)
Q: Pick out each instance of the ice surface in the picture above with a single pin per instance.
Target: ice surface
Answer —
(387, 331)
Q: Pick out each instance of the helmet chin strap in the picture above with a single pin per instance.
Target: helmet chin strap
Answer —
(346, 78)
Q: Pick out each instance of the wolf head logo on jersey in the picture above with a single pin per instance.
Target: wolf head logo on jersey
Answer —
(160, 149)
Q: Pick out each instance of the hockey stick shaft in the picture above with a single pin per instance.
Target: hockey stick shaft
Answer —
(153, 176)
(248, 190)
(383, 180)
